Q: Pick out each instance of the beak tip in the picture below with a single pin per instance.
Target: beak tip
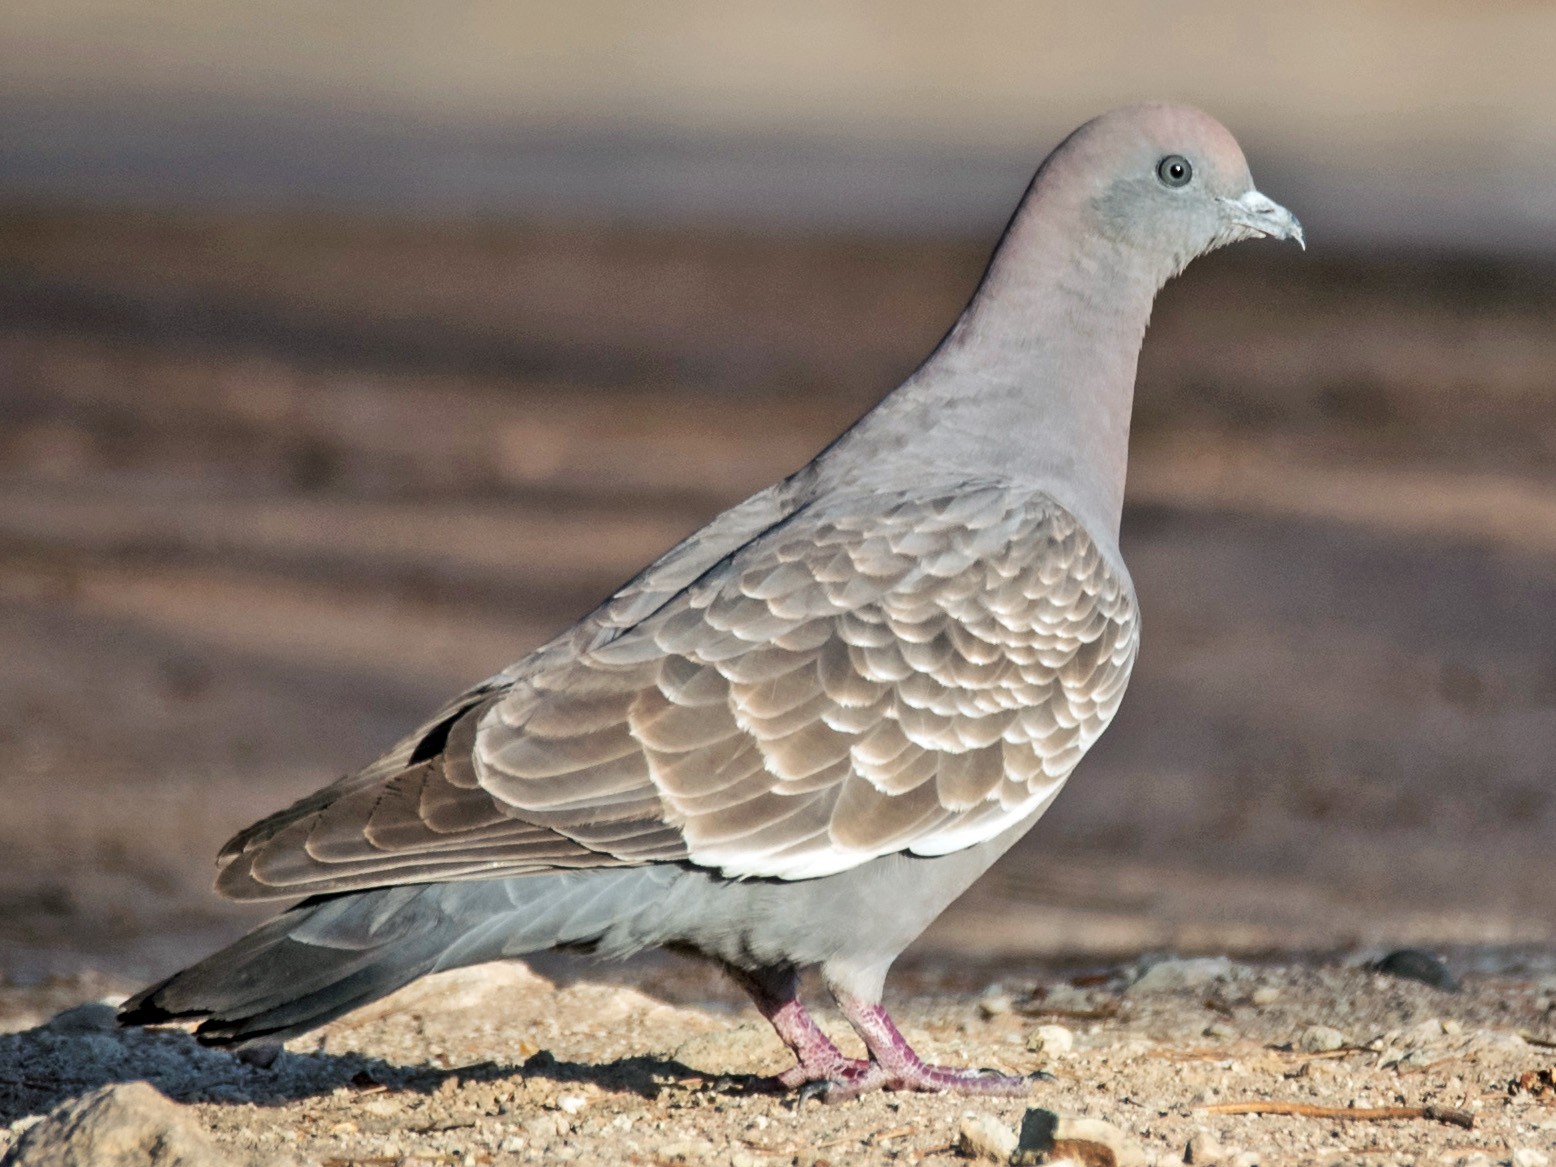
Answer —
(1262, 215)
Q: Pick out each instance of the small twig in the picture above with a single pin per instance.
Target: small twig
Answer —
(1448, 1114)
(1344, 1051)
(1224, 1054)
(1541, 1042)
(1103, 1013)
(894, 1133)
(439, 1128)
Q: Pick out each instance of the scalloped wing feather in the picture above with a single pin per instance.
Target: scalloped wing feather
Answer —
(856, 678)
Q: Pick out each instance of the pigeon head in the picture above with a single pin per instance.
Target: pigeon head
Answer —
(1163, 184)
(1035, 382)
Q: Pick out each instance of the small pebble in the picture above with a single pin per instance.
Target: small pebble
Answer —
(1265, 995)
(1049, 1138)
(1412, 964)
(983, 1137)
(995, 1002)
(1067, 997)
(1169, 975)
(1203, 1148)
(93, 1017)
(1053, 1040)
(1321, 1039)
(259, 1054)
(543, 1127)
(1325, 1069)
(1422, 1034)
(1529, 1157)
(685, 1150)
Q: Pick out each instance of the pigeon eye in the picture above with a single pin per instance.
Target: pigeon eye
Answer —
(1174, 170)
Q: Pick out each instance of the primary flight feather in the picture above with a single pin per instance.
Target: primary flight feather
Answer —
(806, 729)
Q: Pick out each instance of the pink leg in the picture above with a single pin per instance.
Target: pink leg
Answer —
(823, 1070)
(818, 1060)
(894, 1065)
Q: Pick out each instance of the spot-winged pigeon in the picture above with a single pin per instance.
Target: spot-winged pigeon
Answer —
(803, 732)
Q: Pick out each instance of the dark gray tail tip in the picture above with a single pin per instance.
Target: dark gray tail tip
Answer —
(217, 1034)
(142, 1009)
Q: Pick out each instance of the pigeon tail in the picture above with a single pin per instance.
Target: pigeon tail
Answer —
(310, 965)
(332, 954)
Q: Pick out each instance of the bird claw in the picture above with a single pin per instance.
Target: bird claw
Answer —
(846, 1078)
(815, 1090)
(852, 1082)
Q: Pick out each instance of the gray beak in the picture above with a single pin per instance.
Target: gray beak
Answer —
(1260, 215)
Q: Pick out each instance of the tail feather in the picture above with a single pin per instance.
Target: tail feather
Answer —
(272, 983)
(327, 956)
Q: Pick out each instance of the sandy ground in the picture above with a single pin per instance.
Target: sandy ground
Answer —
(499, 1065)
(270, 489)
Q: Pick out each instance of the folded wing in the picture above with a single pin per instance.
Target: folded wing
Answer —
(876, 674)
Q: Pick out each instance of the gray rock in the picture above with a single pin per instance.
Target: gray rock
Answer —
(983, 1137)
(1204, 1148)
(128, 1124)
(1412, 964)
(1320, 1039)
(1166, 976)
(92, 1017)
(1053, 1040)
(995, 1002)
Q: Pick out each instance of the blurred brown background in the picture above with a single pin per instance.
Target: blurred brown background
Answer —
(347, 351)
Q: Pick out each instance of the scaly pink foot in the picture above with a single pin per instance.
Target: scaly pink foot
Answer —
(894, 1065)
(821, 1070)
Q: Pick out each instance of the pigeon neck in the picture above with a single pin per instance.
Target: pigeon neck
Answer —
(1035, 382)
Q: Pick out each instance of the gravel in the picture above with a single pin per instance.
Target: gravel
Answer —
(500, 1065)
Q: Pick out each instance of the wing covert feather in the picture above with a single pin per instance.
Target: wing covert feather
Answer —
(867, 676)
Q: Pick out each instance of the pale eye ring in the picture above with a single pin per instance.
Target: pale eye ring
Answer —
(1175, 170)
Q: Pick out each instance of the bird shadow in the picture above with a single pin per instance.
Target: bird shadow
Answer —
(83, 1049)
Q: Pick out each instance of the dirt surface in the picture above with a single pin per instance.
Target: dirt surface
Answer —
(499, 1065)
(271, 489)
